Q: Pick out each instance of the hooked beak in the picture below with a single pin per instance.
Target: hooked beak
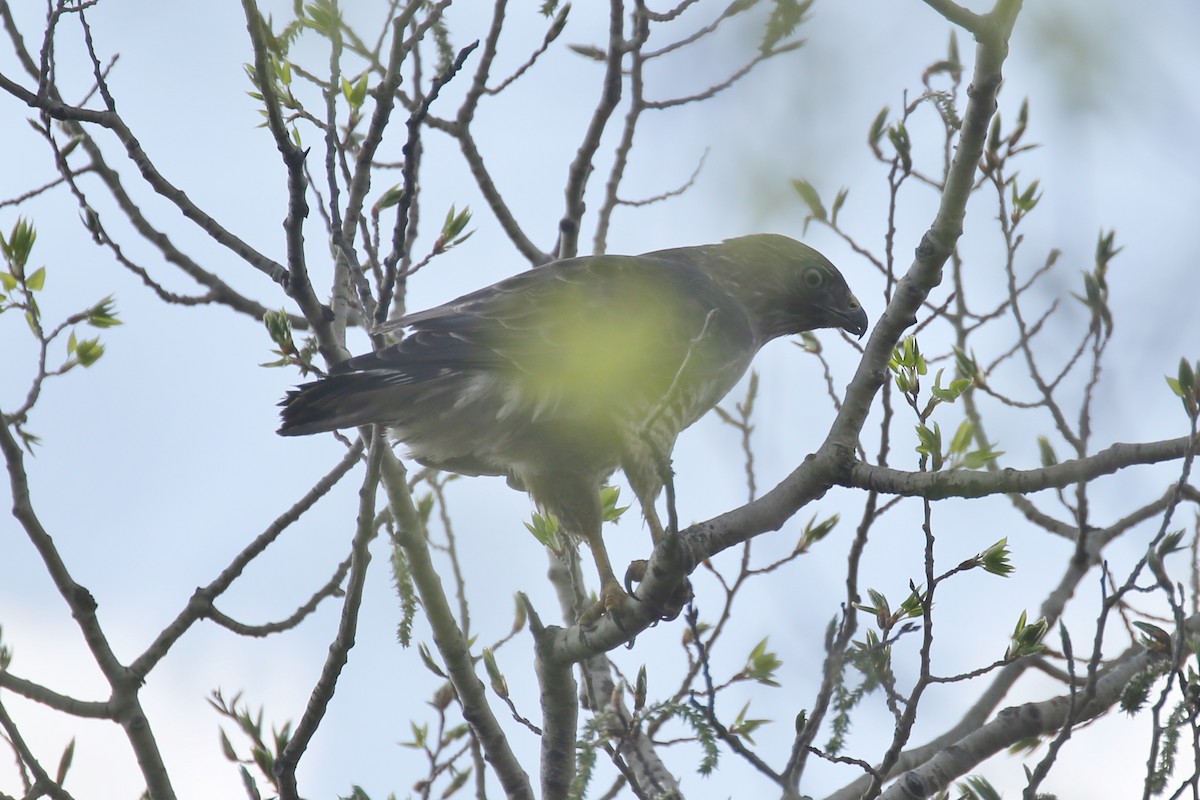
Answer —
(852, 318)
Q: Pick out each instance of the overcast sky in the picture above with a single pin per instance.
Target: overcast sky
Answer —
(161, 462)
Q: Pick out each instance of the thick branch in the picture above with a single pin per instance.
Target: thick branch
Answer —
(560, 713)
(962, 483)
(448, 637)
(52, 699)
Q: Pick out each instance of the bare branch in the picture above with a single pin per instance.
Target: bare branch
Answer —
(1015, 724)
(961, 483)
(448, 636)
(339, 649)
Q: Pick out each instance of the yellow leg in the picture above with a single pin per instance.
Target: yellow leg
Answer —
(657, 531)
(611, 593)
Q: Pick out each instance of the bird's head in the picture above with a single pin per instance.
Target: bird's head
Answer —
(787, 287)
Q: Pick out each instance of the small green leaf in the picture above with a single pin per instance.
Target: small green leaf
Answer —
(1105, 251)
(815, 531)
(837, 204)
(1187, 376)
(931, 444)
(248, 783)
(980, 458)
(898, 136)
(19, 244)
(456, 783)
(879, 606)
(360, 91)
(1170, 543)
(810, 197)
(420, 734)
(355, 93)
(976, 787)
(640, 689)
(1025, 201)
(609, 495)
(390, 198)
(427, 659)
(103, 314)
(993, 138)
(1185, 387)
(452, 229)
(588, 51)
(495, 676)
(939, 392)
(1049, 457)
(762, 664)
(227, 747)
(544, 528)
(279, 328)
(1026, 638)
(322, 16)
(425, 507)
(744, 727)
(995, 559)
(808, 343)
(966, 366)
(875, 133)
(37, 280)
(64, 763)
(913, 605)
(962, 437)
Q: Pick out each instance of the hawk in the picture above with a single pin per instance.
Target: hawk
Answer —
(557, 377)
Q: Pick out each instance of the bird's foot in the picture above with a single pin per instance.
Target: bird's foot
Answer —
(611, 598)
(680, 597)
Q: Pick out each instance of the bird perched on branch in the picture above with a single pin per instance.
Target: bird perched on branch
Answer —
(556, 377)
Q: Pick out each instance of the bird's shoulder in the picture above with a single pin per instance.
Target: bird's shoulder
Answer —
(606, 282)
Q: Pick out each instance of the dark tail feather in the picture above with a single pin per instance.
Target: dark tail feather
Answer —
(339, 401)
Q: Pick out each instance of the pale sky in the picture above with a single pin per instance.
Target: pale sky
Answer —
(158, 464)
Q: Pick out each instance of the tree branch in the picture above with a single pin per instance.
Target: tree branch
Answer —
(339, 649)
(963, 483)
(447, 635)
(126, 709)
(581, 167)
(1017, 723)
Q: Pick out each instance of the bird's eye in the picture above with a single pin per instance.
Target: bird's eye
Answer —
(813, 278)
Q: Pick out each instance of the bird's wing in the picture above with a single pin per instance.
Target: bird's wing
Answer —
(598, 329)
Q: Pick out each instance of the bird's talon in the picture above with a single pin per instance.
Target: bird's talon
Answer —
(635, 573)
(611, 599)
(680, 597)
